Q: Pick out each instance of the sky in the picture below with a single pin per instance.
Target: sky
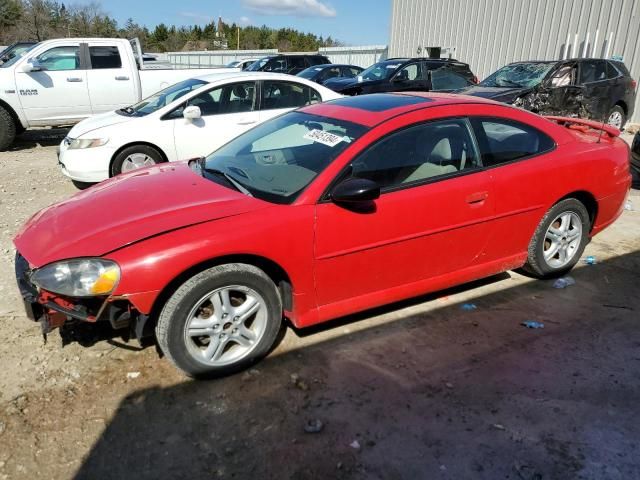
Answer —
(354, 22)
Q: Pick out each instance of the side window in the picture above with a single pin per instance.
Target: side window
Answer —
(418, 153)
(234, 98)
(60, 58)
(503, 141)
(330, 73)
(445, 79)
(410, 72)
(276, 65)
(105, 57)
(592, 71)
(564, 76)
(278, 94)
(351, 71)
(612, 72)
(297, 63)
(316, 60)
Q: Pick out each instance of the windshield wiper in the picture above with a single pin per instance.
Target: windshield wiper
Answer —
(230, 180)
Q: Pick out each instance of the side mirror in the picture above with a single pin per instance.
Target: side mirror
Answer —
(192, 113)
(355, 190)
(31, 65)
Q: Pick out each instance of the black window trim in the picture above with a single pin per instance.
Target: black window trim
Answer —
(167, 116)
(326, 195)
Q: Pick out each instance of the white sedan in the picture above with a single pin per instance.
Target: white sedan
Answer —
(186, 120)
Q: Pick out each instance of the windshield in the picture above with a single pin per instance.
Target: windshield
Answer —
(162, 98)
(258, 64)
(379, 71)
(15, 54)
(519, 75)
(276, 160)
(310, 72)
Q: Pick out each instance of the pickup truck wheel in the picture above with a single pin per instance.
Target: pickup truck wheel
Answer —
(7, 129)
(220, 320)
(616, 117)
(134, 157)
(559, 240)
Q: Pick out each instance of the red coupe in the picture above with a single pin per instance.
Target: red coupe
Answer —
(325, 211)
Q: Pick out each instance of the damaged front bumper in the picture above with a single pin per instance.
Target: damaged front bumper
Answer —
(53, 311)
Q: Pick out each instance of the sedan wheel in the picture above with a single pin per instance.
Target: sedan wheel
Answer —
(137, 160)
(562, 239)
(559, 240)
(225, 325)
(220, 320)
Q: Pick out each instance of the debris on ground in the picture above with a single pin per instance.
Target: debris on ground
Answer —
(628, 206)
(314, 426)
(621, 307)
(564, 282)
(355, 445)
(468, 306)
(532, 324)
(133, 375)
(298, 382)
(590, 260)
(498, 426)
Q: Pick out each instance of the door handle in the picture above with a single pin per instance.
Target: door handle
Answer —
(477, 197)
(122, 77)
(74, 79)
(246, 121)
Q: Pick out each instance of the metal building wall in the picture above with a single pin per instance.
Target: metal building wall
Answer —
(488, 34)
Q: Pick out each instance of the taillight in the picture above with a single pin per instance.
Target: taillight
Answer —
(634, 84)
(475, 80)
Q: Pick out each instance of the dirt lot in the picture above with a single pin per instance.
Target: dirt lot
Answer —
(422, 389)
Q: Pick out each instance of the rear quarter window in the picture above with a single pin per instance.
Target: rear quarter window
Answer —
(502, 141)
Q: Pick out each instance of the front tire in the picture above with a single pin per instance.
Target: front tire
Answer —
(7, 129)
(134, 157)
(559, 240)
(220, 321)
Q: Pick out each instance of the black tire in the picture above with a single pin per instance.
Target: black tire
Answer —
(617, 109)
(116, 165)
(81, 185)
(170, 329)
(7, 129)
(536, 264)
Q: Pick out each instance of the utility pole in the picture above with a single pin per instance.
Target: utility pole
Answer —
(238, 46)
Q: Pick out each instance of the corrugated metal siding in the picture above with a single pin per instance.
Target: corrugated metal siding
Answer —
(488, 34)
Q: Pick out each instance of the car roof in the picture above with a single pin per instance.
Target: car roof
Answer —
(372, 109)
(225, 75)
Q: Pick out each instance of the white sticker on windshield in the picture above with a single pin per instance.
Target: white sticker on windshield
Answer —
(325, 138)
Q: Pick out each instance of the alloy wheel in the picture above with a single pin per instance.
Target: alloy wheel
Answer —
(137, 160)
(562, 239)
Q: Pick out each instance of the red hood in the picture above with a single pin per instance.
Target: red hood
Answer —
(127, 209)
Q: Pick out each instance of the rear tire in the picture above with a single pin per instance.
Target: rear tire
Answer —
(220, 321)
(617, 117)
(140, 155)
(81, 185)
(559, 240)
(7, 129)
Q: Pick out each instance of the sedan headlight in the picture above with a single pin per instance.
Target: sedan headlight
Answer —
(81, 277)
(76, 143)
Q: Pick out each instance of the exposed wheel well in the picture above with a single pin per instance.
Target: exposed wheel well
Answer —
(13, 114)
(155, 147)
(274, 271)
(588, 200)
(623, 105)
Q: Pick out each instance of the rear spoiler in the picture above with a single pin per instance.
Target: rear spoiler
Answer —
(584, 125)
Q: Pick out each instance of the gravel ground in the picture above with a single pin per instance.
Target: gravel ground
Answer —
(420, 389)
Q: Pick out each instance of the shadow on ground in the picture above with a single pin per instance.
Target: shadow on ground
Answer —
(41, 137)
(443, 394)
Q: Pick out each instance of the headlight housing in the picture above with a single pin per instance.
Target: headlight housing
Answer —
(78, 143)
(80, 277)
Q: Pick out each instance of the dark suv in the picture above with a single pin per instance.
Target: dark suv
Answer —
(408, 74)
(591, 88)
(291, 64)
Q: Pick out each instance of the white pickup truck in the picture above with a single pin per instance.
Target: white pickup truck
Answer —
(60, 82)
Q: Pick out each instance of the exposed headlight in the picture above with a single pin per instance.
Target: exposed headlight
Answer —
(75, 143)
(81, 277)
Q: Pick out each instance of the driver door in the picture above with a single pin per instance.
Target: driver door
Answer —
(226, 112)
(408, 78)
(45, 95)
